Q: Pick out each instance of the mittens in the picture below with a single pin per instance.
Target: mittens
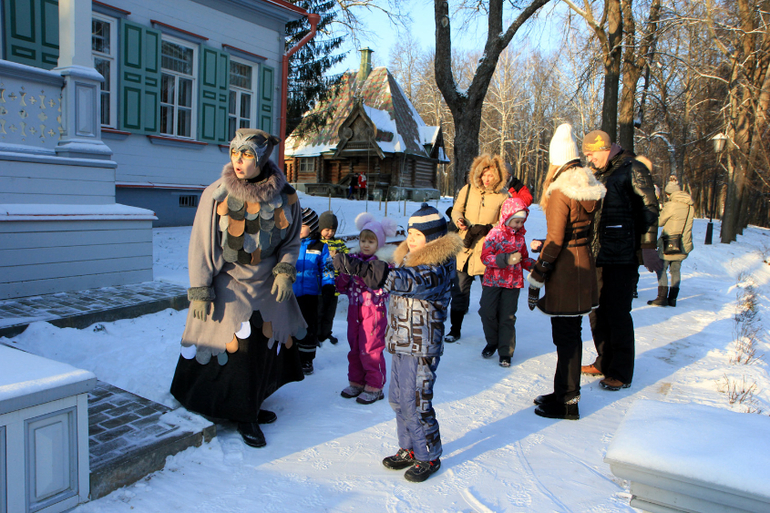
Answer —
(282, 287)
(651, 260)
(201, 309)
(373, 272)
(506, 259)
(532, 297)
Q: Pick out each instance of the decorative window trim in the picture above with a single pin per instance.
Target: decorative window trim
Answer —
(113, 59)
(188, 36)
(243, 54)
(254, 92)
(109, 10)
(194, 76)
(111, 133)
(177, 142)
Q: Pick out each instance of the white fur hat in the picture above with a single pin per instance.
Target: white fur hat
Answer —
(563, 147)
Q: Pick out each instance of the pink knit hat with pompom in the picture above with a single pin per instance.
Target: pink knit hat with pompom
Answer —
(381, 229)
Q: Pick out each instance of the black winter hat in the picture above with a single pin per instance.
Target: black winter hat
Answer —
(310, 218)
(327, 220)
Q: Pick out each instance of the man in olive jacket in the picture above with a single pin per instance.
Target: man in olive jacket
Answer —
(626, 224)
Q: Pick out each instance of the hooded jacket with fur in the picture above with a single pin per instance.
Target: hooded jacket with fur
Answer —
(419, 296)
(675, 218)
(480, 207)
(504, 239)
(571, 288)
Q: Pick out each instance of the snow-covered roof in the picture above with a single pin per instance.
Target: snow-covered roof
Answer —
(384, 103)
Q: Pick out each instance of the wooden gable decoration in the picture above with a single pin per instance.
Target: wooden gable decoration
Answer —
(358, 134)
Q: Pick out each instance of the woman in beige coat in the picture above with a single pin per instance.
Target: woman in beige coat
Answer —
(475, 212)
(675, 219)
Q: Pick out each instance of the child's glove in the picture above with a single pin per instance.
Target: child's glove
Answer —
(506, 259)
(201, 309)
(532, 298)
(374, 273)
(282, 287)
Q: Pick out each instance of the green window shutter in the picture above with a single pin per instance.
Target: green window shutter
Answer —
(32, 32)
(139, 78)
(266, 99)
(214, 95)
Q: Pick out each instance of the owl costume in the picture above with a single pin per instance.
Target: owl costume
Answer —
(245, 238)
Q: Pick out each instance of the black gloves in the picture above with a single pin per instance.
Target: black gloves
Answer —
(476, 233)
(374, 273)
(328, 291)
(534, 295)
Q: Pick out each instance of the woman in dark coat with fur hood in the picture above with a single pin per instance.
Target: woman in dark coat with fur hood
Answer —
(566, 268)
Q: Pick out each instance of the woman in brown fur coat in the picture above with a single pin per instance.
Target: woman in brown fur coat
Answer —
(475, 212)
(566, 268)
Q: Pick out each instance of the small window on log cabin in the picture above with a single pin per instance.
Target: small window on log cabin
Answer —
(188, 201)
(307, 166)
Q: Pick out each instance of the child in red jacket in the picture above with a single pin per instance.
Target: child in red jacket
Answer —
(504, 254)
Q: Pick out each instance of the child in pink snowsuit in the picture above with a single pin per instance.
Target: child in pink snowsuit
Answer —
(367, 317)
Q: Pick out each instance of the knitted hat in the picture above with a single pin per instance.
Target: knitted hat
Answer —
(563, 147)
(327, 220)
(429, 221)
(596, 141)
(672, 186)
(310, 218)
(381, 229)
(521, 214)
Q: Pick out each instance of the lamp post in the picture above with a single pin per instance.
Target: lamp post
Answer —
(719, 141)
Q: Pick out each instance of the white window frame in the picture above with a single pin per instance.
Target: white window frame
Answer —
(111, 57)
(193, 93)
(254, 92)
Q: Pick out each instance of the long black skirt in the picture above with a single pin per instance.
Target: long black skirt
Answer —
(235, 391)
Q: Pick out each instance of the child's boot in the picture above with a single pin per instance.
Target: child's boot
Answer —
(422, 470)
(673, 292)
(661, 300)
(352, 390)
(402, 459)
(370, 395)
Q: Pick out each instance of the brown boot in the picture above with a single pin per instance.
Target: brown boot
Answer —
(662, 299)
(591, 370)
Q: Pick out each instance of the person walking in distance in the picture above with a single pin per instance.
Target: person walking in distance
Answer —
(626, 223)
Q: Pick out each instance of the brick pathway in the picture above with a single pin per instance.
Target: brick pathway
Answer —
(82, 308)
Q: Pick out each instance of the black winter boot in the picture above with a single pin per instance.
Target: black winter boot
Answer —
(661, 300)
(456, 318)
(673, 292)
(559, 410)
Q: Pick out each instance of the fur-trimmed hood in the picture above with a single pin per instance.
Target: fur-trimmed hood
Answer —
(261, 191)
(482, 162)
(435, 252)
(579, 184)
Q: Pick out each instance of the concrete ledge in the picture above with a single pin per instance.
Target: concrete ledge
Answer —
(692, 458)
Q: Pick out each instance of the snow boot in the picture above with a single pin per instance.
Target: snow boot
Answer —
(547, 398)
(370, 396)
(673, 292)
(422, 470)
(352, 391)
(505, 361)
(559, 410)
(402, 459)
(456, 318)
(661, 300)
(252, 435)
(307, 367)
(266, 417)
(488, 351)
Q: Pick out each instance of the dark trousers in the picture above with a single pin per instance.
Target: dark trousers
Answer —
(327, 309)
(567, 336)
(497, 309)
(308, 305)
(461, 299)
(612, 325)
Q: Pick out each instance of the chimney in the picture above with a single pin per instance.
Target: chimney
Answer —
(366, 64)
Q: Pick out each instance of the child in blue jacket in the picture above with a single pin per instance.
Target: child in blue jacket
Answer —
(313, 272)
(419, 288)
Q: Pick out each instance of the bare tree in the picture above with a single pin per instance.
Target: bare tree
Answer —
(466, 105)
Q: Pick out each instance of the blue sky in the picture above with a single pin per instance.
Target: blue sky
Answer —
(383, 34)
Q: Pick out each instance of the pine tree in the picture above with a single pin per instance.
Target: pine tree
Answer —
(308, 82)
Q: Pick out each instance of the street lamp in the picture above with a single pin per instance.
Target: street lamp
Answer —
(719, 141)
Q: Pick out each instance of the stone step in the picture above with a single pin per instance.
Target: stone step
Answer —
(130, 436)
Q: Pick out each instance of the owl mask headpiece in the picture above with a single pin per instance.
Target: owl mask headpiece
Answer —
(257, 141)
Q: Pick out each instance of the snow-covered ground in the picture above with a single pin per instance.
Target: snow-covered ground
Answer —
(324, 452)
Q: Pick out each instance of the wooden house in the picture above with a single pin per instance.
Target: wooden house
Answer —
(372, 129)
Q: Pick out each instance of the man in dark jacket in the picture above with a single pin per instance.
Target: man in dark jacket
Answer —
(626, 224)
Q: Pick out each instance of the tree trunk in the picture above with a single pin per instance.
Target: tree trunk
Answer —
(466, 106)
